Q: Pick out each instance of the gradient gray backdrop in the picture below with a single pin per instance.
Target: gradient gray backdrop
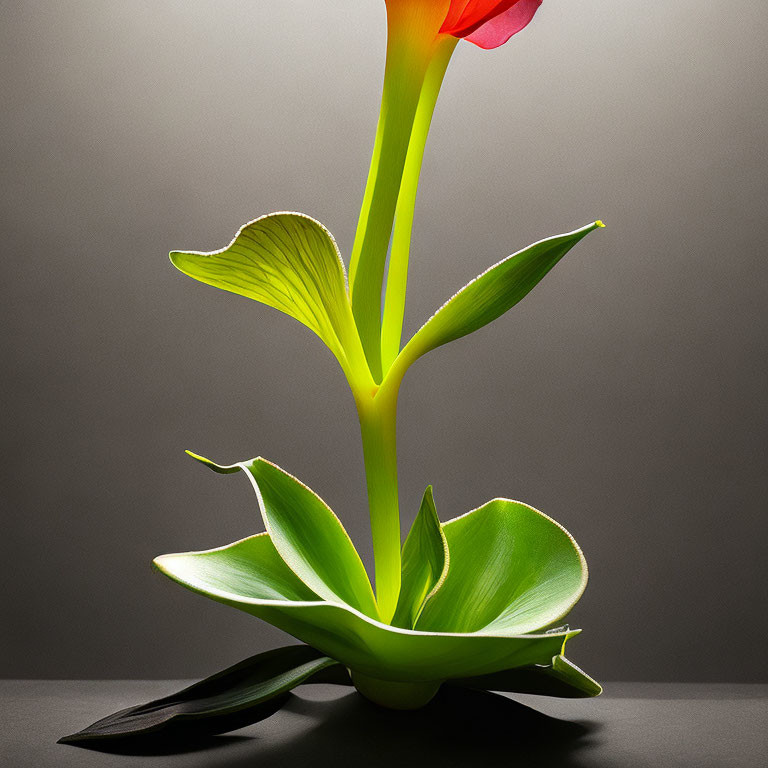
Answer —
(626, 397)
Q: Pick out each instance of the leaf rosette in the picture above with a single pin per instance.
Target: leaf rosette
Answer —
(479, 592)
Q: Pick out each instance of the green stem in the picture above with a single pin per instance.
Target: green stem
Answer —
(411, 46)
(397, 275)
(417, 56)
(378, 428)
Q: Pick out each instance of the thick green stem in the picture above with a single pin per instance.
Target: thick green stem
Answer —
(397, 275)
(378, 427)
(412, 44)
(417, 55)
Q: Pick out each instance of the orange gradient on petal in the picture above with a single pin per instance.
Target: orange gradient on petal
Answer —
(486, 23)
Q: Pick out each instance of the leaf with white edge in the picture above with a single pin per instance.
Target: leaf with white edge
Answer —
(491, 294)
(251, 567)
(425, 562)
(290, 262)
(341, 632)
(307, 534)
(513, 569)
(240, 695)
(561, 678)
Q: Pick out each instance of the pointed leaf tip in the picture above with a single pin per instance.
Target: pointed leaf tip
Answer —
(491, 294)
(425, 563)
(562, 679)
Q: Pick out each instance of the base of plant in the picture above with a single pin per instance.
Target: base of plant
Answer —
(394, 694)
(259, 686)
(479, 597)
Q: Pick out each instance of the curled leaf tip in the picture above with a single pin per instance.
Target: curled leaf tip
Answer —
(220, 468)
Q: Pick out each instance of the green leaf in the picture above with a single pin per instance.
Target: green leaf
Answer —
(513, 569)
(290, 262)
(249, 575)
(308, 535)
(238, 696)
(234, 575)
(560, 678)
(251, 568)
(424, 563)
(491, 294)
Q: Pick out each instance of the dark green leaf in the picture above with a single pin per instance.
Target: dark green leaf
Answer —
(238, 696)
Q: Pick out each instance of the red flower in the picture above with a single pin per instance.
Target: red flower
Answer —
(488, 23)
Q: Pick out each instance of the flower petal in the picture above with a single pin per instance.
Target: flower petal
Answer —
(466, 15)
(499, 29)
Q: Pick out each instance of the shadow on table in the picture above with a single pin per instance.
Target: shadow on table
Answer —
(460, 727)
(164, 745)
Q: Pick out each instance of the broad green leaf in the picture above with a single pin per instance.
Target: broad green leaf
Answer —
(560, 678)
(424, 563)
(356, 640)
(251, 567)
(491, 294)
(308, 535)
(513, 569)
(240, 695)
(290, 262)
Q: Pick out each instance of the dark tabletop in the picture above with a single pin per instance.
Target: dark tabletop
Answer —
(631, 724)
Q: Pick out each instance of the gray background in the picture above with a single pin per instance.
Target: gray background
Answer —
(626, 397)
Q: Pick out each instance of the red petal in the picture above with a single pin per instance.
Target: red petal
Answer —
(498, 30)
(465, 16)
